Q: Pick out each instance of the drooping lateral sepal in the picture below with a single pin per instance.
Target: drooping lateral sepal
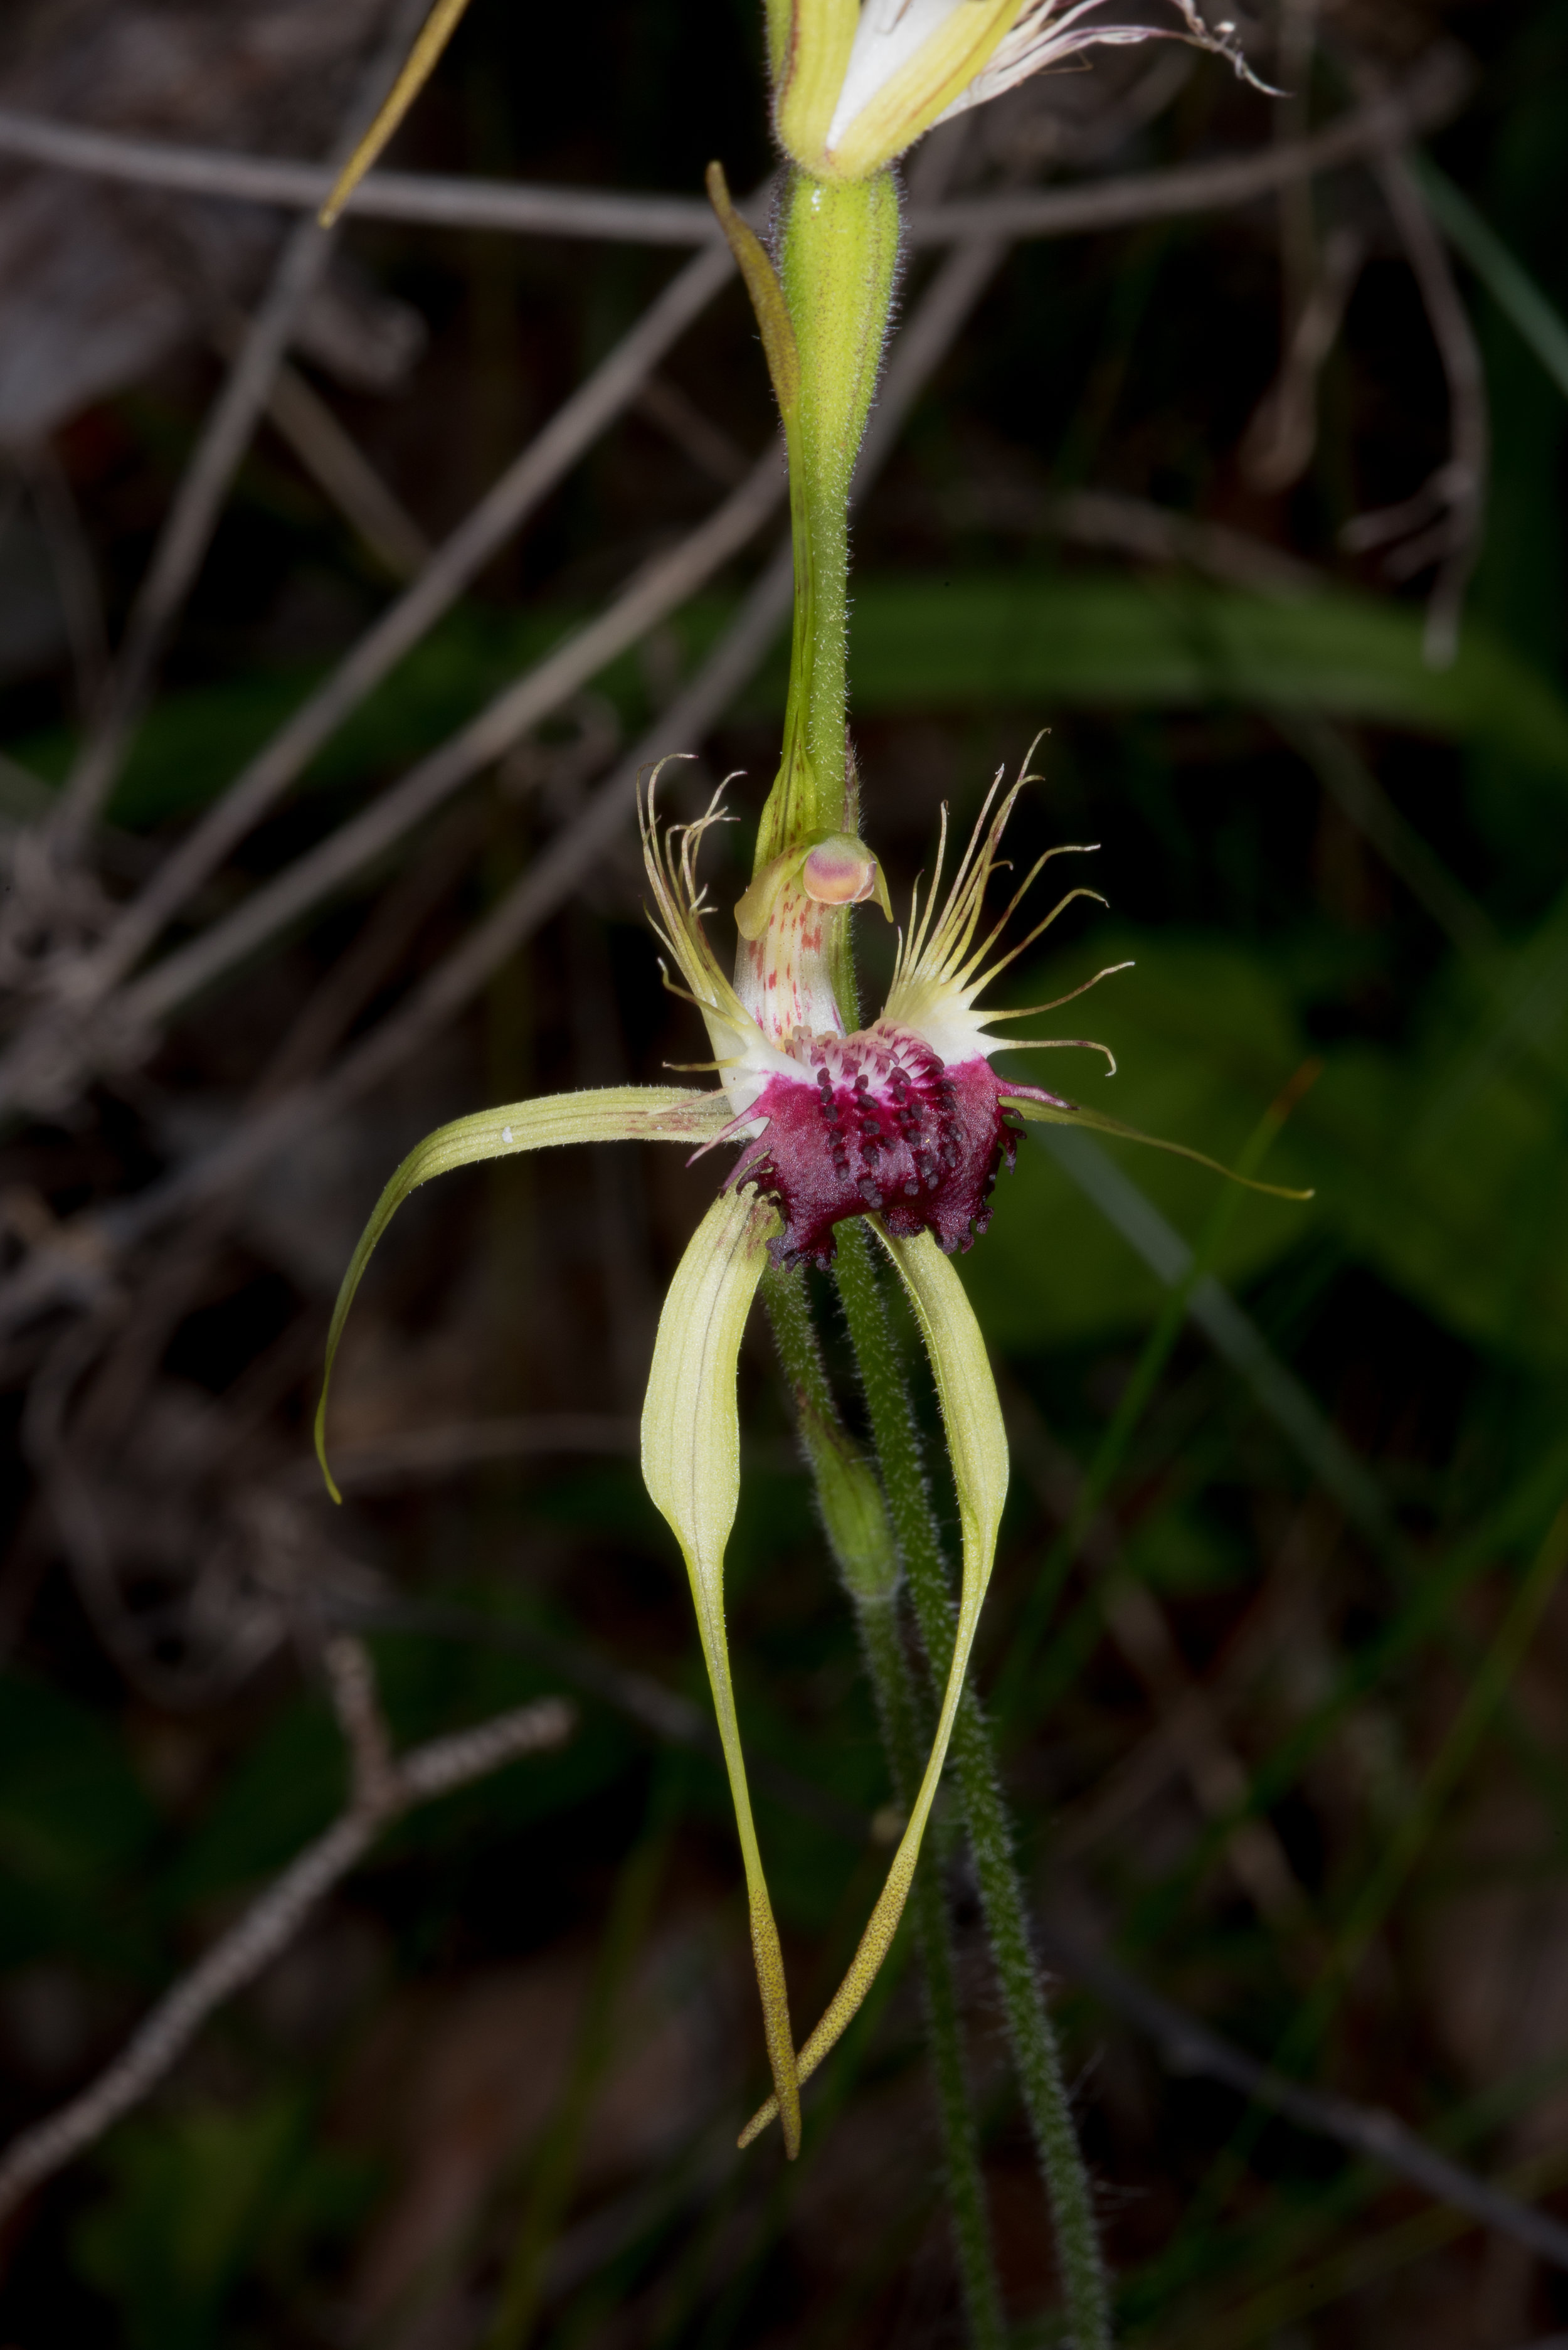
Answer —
(692, 1466)
(612, 1114)
(977, 1447)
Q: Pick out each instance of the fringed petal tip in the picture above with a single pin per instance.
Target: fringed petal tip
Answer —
(610, 1113)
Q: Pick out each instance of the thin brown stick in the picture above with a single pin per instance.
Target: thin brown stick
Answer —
(224, 438)
(78, 1263)
(524, 486)
(1464, 478)
(417, 1455)
(1432, 93)
(351, 1682)
(661, 589)
(1271, 441)
(636, 1697)
(268, 1925)
(338, 467)
(410, 196)
(1189, 2046)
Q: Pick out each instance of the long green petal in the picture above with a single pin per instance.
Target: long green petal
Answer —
(977, 1447)
(1074, 1115)
(692, 1465)
(616, 1114)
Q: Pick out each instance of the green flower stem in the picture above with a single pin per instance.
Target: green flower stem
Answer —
(838, 250)
(1035, 2046)
(862, 1544)
(897, 1710)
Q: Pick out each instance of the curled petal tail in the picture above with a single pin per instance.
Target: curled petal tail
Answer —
(614, 1113)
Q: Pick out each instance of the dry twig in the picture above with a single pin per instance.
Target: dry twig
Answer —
(1431, 94)
(383, 1786)
(530, 478)
(225, 436)
(1442, 523)
(1189, 2046)
(552, 875)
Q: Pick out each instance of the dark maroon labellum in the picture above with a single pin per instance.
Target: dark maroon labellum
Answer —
(879, 1127)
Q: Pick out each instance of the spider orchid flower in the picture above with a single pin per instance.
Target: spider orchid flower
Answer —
(857, 81)
(905, 1123)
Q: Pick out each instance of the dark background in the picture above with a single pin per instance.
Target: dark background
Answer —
(528, 2016)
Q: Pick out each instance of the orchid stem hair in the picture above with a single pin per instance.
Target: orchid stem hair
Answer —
(855, 1518)
(1036, 2052)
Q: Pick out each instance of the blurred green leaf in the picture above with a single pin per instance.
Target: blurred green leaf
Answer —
(1010, 640)
(1509, 285)
(286, 1789)
(197, 2198)
(1442, 1165)
(1449, 1169)
(1204, 1037)
(74, 1822)
(1176, 641)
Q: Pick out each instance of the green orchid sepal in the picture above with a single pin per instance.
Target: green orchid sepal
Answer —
(610, 1114)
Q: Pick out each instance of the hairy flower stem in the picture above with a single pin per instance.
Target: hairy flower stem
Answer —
(1034, 2048)
(838, 248)
(898, 1704)
(837, 252)
(861, 1540)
